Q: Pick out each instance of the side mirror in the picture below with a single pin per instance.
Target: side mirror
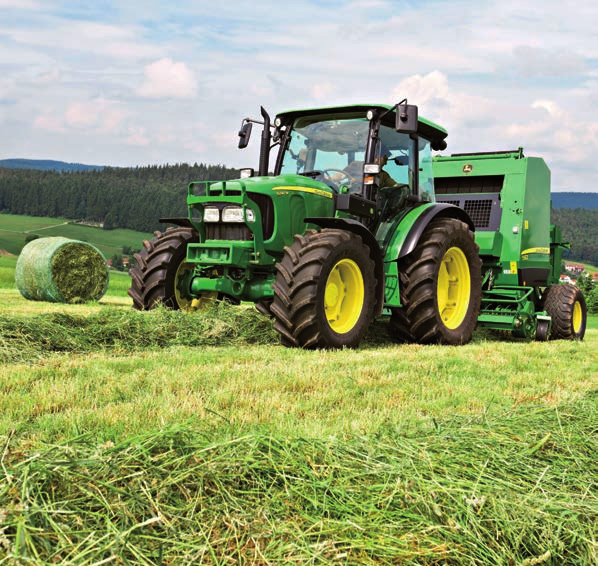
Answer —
(401, 160)
(245, 134)
(406, 119)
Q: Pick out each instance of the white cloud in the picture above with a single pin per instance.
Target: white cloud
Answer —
(20, 4)
(137, 136)
(423, 89)
(496, 74)
(166, 78)
(322, 91)
(99, 115)
(49, 122)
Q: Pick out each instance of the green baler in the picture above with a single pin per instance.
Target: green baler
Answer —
(507, 196)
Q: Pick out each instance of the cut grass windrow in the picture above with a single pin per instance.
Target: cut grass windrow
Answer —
(517, 489)
(26, 337)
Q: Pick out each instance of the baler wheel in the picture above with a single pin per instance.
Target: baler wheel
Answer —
(324, 292)
(442, 285)
(567, 307)
(159, 266)
(542, 331)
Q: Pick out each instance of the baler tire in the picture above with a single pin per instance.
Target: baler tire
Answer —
(324, 291)
(154, 277)
(567, 307)
(443, 284)
(542, 331)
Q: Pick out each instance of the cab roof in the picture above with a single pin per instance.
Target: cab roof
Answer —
(426, 128)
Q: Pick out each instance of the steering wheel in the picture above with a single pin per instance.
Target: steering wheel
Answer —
(326, 176)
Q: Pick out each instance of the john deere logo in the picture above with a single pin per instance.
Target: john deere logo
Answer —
(467, 168)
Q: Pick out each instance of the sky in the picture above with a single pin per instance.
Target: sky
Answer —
(127, 83)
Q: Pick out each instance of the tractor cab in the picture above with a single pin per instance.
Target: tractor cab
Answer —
(370, 153)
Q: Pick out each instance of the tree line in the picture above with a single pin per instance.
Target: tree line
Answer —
(133, 198)
(580, 227)
(136, 198)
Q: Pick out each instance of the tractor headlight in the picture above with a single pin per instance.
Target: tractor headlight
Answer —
(211, 214)
(249, 216)
(232, 214)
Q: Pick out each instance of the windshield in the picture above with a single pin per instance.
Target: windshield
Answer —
(326, 144)
(331, 148)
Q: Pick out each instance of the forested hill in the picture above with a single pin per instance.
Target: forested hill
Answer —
(46, 165)
(132, 198)
(574, 200)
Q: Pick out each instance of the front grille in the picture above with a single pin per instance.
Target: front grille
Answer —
(479, 212)
(228, 231)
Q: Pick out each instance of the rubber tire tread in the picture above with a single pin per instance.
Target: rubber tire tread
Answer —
(153, 278)
(298, 305)
(559, 301)
(419, 319)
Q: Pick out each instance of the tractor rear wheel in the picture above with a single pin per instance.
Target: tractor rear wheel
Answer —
(159, 266)
(442, 286)
(324, 292)
(566, 306)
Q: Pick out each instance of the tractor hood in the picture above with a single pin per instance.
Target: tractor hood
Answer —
(275, 186)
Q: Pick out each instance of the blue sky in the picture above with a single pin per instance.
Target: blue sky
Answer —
(144, 82)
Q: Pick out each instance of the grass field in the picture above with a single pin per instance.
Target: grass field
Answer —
(14, 230)
(164, 438)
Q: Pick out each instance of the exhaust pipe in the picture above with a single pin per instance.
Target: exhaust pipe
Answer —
(265, 146)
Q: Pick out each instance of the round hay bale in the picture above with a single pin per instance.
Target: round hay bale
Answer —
(59, 270)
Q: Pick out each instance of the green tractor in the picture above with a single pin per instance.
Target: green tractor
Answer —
(345, 227)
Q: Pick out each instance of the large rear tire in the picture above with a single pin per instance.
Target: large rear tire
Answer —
(442, 286)
(159, 266)
(566, 306)
(324, 292)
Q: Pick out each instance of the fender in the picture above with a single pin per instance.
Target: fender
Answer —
(369, 240)
(437, 210)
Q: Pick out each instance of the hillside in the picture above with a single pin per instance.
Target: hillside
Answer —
(133, 198)
(47, 165)
(575, 200)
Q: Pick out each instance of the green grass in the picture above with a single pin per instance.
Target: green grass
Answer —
(513, 490)
(14, 229)
(159, 437)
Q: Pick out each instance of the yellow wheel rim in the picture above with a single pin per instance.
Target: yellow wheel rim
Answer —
(454, 288)
(344, 296)
(577, 317)
(184, 303)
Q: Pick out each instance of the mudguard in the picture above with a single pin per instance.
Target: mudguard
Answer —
(403, 241)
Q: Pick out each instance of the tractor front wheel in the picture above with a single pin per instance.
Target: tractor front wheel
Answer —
(441, 286)
(324, 292)
(566, 306)
(159, 267)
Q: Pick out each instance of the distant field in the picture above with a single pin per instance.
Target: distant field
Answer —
(14, 229)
